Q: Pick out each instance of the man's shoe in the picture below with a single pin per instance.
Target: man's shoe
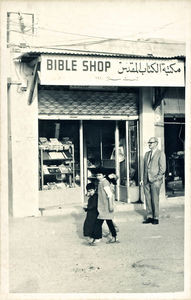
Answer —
(138, 202)
(155, 221)
(147, 221)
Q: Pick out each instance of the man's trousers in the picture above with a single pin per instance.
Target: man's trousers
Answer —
(152, 192)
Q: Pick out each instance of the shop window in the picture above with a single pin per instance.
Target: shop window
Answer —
(59, 162)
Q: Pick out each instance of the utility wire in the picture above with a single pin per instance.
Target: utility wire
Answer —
(148, 41)
(105, 38)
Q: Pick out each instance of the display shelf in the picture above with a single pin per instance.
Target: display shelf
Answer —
(57, 166)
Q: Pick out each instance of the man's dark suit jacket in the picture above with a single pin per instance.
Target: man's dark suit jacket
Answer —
(154, 170)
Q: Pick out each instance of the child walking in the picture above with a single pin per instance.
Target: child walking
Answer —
(105, 209)
(92, 212)
(112, 178)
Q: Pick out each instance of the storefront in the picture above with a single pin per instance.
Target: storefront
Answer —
(78, 110)
(94, 123)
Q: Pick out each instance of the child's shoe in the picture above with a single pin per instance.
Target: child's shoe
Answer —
(106, 234)
(113, 240)
(92, 242)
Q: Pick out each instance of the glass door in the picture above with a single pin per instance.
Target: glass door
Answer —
(133, 145)
(126, 160)
(101, 138)
(99, 142)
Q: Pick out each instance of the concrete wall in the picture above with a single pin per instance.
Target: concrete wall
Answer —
(23, 145)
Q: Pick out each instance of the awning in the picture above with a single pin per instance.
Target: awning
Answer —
(157, 48)
(174, 102)
(174, 107)
(57, 104)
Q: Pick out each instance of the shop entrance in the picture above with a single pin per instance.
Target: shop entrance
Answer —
(174, 131)
(101, 138)
(71, 150)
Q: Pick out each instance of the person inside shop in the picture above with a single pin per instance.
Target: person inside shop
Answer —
(121, 157)
(105, 209)
(92, 212)
(154, 169)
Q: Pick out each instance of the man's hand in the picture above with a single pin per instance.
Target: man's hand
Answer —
(141, 183)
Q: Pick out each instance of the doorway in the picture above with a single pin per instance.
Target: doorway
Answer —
(174, 131)
(101, 138)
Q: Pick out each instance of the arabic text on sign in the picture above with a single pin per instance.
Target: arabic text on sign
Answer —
(148, 67)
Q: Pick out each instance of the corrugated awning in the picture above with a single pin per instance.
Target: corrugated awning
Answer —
(87, 103)
(33, 54)
(114, 48)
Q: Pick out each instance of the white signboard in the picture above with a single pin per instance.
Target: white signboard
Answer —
(110, 71)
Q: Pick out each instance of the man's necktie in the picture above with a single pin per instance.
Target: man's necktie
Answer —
(149, 157)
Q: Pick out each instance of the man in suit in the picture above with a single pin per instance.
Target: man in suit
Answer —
(154, 169)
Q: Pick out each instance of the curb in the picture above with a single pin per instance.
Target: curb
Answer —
(119, 207)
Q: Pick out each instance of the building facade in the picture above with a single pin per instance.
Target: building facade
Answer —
(71, 112)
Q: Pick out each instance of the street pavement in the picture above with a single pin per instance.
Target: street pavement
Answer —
(48, 254)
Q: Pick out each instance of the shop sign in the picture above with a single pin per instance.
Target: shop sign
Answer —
(110, 71)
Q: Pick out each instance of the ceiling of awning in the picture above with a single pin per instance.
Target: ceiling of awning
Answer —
(174, 107)
(174, 101)
(87, 103)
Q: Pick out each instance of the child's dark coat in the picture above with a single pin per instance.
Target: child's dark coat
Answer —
(91, 216)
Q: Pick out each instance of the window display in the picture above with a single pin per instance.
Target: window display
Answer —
(57, 168)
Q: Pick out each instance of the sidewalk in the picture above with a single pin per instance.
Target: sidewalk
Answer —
(119, 206)
(48, 254)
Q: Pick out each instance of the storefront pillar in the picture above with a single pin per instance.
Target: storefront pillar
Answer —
(24, 150)
(159, 132)
(147, 125)
(83, 176)
(151, 124)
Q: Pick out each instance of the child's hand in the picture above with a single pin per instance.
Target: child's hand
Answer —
(111, 209)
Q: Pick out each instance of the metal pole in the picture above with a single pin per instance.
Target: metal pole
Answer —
(117, 167)
(127, 159)
(139, 164)
(32, 23)
(85, 161)
(101, 145)
(41, 168)
(8, 28)
(81, 160)
(73, 165)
